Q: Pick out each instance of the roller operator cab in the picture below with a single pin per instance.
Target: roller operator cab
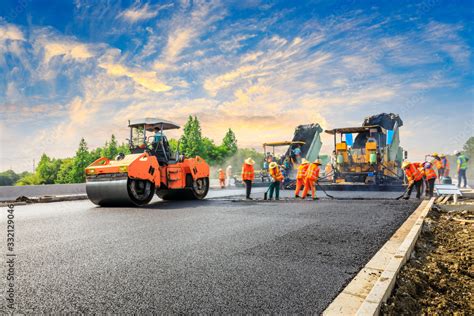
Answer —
(150, 168)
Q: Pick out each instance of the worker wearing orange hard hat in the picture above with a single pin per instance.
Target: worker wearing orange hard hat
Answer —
(248, 174)
(311, 176)
(277, 178)
(300, 175)
(414, 177)
(222, 178)
(430, 177)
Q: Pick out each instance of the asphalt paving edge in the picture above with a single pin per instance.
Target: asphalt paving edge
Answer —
(372, 286)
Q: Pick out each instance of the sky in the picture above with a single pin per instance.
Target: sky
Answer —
(73, 69)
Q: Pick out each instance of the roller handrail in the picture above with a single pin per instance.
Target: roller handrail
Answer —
(98, 161)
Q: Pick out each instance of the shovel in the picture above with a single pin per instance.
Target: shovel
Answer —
(404, 193)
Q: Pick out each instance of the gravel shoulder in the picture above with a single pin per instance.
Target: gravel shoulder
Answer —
(439, 277)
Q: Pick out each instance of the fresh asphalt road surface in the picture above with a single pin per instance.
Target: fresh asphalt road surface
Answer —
(194, 256)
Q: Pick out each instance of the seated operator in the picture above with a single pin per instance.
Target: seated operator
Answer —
(157, 138)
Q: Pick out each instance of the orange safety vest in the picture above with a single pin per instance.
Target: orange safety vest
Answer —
(446, 163)
(312, 173)
(302, 171)
(221, 175)
(430, 173)
(276, 174)
(413, 173)
(437, 163)
(247, 172)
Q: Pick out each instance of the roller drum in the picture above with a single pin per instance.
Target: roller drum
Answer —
(119, 191)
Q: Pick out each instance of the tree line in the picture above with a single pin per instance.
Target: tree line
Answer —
(71, 170)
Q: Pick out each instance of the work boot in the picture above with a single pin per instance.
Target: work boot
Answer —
(297, 196)
(315, 198)
(248, 198)
(406, 197)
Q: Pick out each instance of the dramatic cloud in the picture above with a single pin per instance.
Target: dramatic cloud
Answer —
(258, 69)
(142, 12)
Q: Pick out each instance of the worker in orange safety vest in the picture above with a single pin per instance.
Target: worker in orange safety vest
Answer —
(414, 177)
(311, 176)
(248, 175)
(430, 177)
(438, 163)
(300, 176)
(277, 178)
(222, 178)
(446, 166)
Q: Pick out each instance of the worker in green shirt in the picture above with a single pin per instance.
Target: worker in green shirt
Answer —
(462, 168)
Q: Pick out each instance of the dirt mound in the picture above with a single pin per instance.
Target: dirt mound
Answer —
(439, 277)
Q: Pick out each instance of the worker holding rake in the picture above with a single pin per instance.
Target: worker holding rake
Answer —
(277, 177)
(300, 176)
(311, 176)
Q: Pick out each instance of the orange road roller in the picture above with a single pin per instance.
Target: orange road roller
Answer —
(150, 168)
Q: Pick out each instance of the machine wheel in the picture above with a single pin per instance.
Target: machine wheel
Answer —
(196, 190)
(140, 191)
(200, 188)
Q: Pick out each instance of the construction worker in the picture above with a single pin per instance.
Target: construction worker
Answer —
(415, 178)
(446, 166)
(297, 153)
(438, 163)
(430, 176)
(222, 178)
(300, 176)
(248, 174)
(228, 173)
(462, 168)
(311, 176)
(277, 177)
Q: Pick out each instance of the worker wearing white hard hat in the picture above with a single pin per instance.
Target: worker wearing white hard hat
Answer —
(461, 161)
(228, 173)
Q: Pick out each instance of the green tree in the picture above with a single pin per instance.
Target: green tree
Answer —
(8, 177)
(191, 142)
(47, 169)
(110, 150)
(238, 158)
(81, 161)
(65, 173)
(173, 144)
(29, 179)
(229, 142)
(469, 147)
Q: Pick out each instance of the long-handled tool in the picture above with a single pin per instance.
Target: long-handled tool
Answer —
(265, 195)
(404, 193)
(328, 195)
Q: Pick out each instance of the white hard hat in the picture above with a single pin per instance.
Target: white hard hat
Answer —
(456, 152)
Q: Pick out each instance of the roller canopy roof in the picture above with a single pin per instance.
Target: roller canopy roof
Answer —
(152, 122)
(349, 130)
(285, 143)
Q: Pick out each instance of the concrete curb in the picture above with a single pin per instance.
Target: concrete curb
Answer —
(372, 286)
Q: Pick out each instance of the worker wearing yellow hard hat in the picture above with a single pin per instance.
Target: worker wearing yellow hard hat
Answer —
(300, 175)
(248, 174)
(311, 176)
(277, 177)
(415, 178)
